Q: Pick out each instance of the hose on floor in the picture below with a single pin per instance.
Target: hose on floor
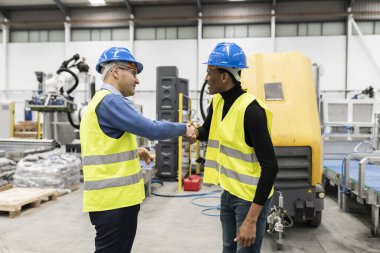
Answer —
(208, 208)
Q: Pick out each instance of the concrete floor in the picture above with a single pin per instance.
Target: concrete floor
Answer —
(171, 225)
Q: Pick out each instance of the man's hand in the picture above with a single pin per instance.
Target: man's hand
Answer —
(145, 155)
(246, 234)
(191, 133)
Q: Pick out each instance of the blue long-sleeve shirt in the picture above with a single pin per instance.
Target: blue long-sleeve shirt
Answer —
(117, 114)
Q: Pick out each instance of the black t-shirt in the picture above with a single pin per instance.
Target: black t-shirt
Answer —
(256, 136)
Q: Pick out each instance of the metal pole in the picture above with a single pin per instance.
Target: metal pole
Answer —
(180, 103)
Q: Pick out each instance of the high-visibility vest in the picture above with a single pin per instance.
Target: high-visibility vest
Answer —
(111, 167)
(230, 162)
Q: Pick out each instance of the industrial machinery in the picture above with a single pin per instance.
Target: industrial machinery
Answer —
(284, 81)
(352, 153)
(56, 101)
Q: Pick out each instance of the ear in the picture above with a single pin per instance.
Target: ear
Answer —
(225, 77)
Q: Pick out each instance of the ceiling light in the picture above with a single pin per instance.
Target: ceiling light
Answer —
(96, 2)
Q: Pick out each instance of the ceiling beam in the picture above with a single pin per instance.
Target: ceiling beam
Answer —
(4, 13)
(199, 5)
(129, 6)
(63, 8)
(274, 5)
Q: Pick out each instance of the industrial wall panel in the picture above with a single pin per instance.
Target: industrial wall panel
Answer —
(369, 6)
(236, 13)
(309, 10)
(166, 15)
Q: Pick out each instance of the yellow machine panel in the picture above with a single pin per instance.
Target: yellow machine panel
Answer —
(284, 81)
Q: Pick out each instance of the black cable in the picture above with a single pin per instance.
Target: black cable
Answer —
(74, 76)
(201, 100)
(71, 121)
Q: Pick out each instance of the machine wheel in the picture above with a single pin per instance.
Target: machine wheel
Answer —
(316, 221)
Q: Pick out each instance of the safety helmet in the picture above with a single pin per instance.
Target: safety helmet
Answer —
(117, 54)
(227, 55)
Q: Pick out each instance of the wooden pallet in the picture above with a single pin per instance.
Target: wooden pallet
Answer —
(6, 187)
(73, 187)
(14, 199)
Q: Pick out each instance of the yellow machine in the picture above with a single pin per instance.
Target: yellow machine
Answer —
(284, 81)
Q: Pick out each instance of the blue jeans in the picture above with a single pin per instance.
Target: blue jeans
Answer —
(232, 214)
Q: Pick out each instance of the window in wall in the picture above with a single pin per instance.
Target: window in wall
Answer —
(56, 35)
(103, 34)
(366, 27)
(286, 30)
(215, 31)
(80, 34)
(302, 29)
(314, 29)
(120, 33)
(171, 33)
(188, 32)
(37, 36)
(333, 28)
(167, 33)
(18, 36)
(145, 33)
(259, 30)
(273, 91)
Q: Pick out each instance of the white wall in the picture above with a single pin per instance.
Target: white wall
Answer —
(328, 51)
(91, 51)
(25, 58)
(363, 68)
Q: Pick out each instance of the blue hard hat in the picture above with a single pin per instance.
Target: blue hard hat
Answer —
(227, 55)
(118, 54)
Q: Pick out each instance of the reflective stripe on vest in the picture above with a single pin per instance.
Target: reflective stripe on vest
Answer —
(238, 155)
(111, 168)
(213, 144)
(112, 158)
(112, 182)
(245, 179)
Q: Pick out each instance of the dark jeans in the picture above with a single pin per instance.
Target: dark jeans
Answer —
(115, 229)
(232, 214)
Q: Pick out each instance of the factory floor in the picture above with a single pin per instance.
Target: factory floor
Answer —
(171, 225)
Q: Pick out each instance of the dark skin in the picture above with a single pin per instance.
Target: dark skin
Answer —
(220, 81)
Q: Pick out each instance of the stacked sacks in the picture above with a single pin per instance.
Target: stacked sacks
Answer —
(7, 170)
(54, 169)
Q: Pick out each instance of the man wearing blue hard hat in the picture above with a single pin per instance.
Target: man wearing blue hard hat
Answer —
(113, 184)
(240, 155)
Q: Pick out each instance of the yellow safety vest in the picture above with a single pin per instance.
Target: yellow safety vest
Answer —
(111, 167)
(230, 162)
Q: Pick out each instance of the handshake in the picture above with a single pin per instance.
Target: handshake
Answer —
(191, 133)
